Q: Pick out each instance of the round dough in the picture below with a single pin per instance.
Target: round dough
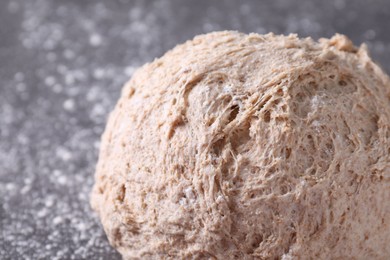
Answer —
(250, 146)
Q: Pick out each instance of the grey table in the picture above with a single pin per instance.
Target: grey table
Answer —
(62, 66)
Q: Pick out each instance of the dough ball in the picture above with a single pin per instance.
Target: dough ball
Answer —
(250, 146)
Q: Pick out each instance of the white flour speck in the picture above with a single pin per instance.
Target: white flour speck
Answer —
(49, 81)
(69, 54)
(19, 76)
(95, 40)
(99, 73)
(69, 105)
(57, 220)
(63, 153)
(129, 70)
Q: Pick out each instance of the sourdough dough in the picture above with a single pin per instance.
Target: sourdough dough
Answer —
(250, 146)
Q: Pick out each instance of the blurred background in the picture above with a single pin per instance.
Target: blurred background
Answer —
(62, 66)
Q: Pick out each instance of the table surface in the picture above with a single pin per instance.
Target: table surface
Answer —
(62, 66)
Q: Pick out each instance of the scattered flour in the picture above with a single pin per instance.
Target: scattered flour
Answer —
(72, 60)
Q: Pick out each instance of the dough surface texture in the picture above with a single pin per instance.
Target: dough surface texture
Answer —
(248, 146)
